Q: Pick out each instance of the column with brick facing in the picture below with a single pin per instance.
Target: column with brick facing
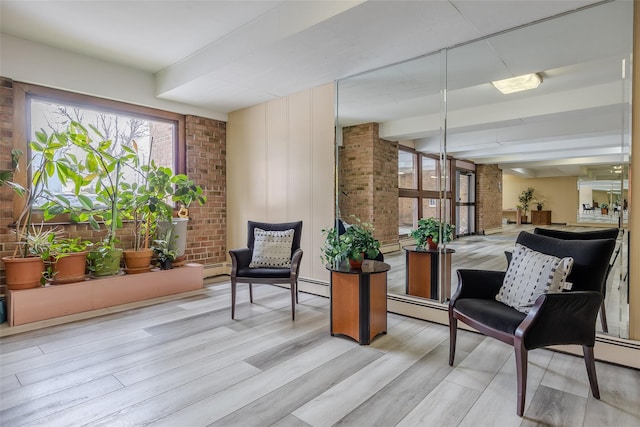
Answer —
(488, 198)
(368, 180)
(206, 166)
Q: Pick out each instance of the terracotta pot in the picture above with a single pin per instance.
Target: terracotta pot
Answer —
(138, 259)
(431, 244)
(23, 273)
(70, 268)
(355, 264)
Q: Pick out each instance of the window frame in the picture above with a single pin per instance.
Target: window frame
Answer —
(420, 194)
(24, 92)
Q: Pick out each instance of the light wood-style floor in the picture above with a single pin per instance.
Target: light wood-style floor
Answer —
(186, 363)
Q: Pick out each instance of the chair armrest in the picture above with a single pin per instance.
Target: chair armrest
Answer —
(561, 318)
(295, 262)
(481, 284)
(240, 258)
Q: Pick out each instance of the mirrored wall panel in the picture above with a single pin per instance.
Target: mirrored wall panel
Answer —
(528, 128)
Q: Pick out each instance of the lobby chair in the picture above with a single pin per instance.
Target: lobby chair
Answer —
(609, 233)
(557, 318)
(272, 257)
(587, 208)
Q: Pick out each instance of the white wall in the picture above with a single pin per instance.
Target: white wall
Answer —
(30, 62)
(280, 167)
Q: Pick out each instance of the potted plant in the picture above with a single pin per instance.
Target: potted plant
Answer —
(525, 198)
(145, 202)
(430, 232)
(25, 268)
(68, 260)
(183, 192)
(539, 204)
(165, 254)
(356, 243)
(101, 173)
(604, 209)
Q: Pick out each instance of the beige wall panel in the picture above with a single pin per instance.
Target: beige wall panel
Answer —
(559, 193)
(246, 188)
(323, 171)
(280, 163)
(300, 168)
(277, 160)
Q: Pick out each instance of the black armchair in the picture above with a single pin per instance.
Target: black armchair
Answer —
(554, 319)
(609, 233)
(241, 272)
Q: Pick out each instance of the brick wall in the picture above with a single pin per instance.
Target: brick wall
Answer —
(205, 158)
(488, 198)
(368, 180)
(162, 134)
(206, 165)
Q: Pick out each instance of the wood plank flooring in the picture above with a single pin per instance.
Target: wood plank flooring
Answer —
(186, 363)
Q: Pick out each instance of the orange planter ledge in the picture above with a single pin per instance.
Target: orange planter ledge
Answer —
(32, 305)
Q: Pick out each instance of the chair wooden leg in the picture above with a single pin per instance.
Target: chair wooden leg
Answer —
(297, 296)
(521, 372)
(603, 318)
(453, 333)
(590, 362)
(233, 298)
(251, 293)
(293, 300)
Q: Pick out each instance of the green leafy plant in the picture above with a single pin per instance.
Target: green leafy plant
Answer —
(164, 251)
(525, 198)
(355, 243)
(432, 228)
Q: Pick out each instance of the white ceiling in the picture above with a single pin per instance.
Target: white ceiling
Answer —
(226, 55)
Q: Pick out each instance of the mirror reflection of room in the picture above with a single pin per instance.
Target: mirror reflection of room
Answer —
(492, 164)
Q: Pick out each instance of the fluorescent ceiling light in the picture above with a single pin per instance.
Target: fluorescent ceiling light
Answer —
(517, 84)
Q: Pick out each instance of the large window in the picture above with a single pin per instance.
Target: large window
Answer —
(420, 180)
(157, 135)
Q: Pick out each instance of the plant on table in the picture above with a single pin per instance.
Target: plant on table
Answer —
(431, 229)
(356, 243)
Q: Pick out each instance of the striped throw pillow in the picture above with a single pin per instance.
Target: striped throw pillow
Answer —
(531, 274)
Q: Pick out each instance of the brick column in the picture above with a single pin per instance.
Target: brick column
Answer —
(488, 198)
(368, 180)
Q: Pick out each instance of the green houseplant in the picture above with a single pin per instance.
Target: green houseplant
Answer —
(99, 171)
(525, 197)
(183, 192)
(356, 243)
(430, 232)
(163, 250)
(26, 267)
(68, 259)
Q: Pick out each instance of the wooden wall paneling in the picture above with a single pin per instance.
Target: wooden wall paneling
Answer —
(276, 160)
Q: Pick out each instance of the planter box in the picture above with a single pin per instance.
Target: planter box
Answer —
(32, 305)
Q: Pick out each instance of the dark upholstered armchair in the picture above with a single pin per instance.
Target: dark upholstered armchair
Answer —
(242, 270)
(609, 233)
(554, 318)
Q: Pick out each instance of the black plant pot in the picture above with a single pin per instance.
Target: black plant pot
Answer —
(166, 265)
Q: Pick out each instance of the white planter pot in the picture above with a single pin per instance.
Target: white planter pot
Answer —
(179, 225)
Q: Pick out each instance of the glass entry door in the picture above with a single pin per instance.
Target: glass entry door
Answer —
(465, 202)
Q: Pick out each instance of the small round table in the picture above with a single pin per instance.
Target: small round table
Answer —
(359, 300)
